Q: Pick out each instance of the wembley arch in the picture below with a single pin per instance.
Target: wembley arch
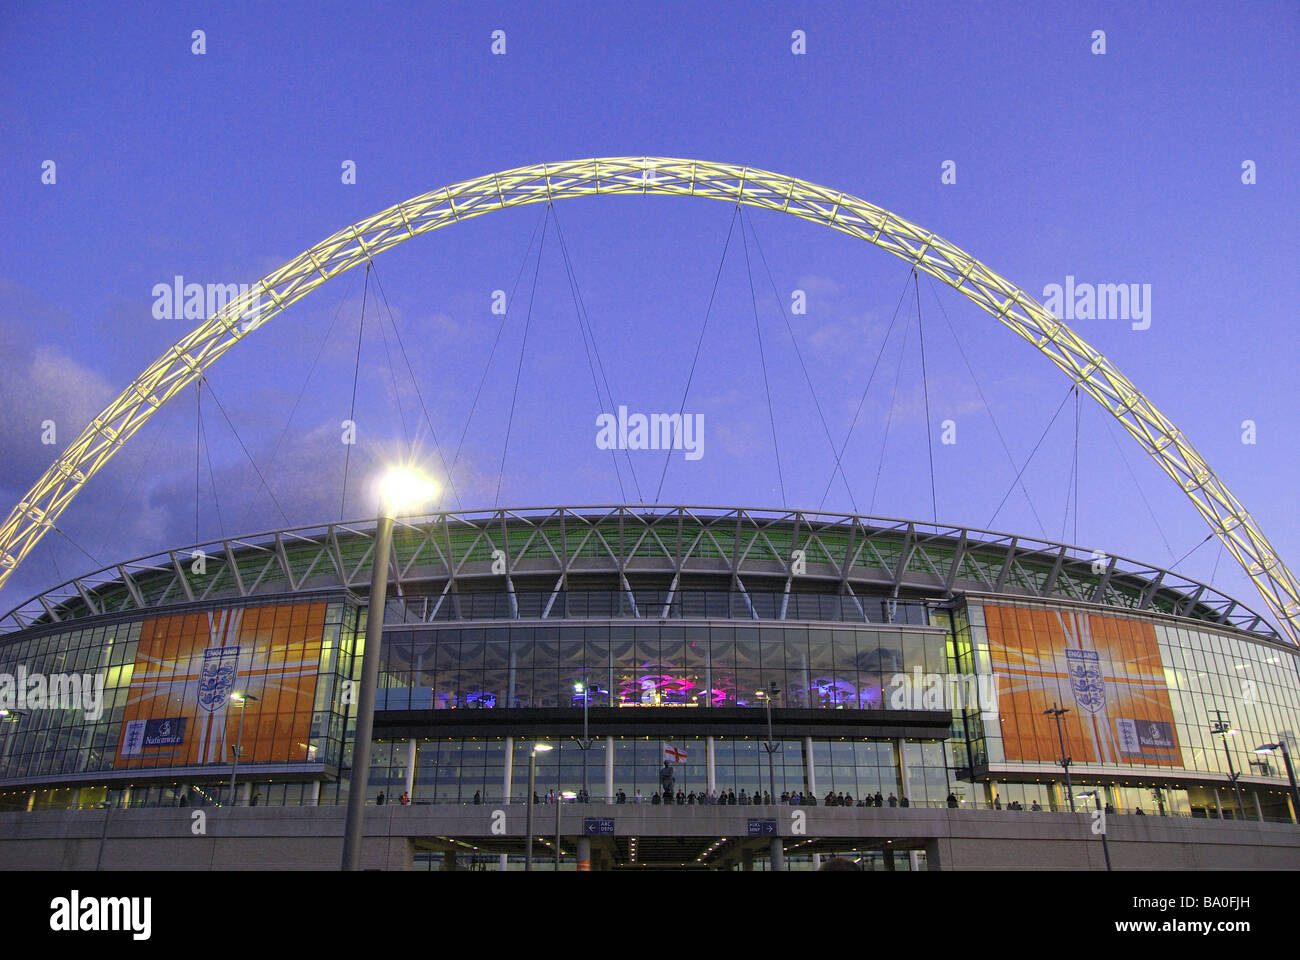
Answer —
(37, 511)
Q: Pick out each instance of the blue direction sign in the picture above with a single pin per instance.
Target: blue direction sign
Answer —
(593, 826)
(762, 828)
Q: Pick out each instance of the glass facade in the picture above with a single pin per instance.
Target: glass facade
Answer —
(626, 665)
(453, 770)
(1143, 693)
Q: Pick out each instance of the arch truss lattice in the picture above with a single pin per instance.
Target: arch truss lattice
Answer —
(37, 511)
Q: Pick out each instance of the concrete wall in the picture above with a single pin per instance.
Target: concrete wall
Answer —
(295, 838)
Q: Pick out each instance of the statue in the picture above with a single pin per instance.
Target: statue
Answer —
(666, 779)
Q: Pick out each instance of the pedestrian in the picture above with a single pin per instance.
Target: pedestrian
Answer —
(997, 803)
(767, 798)
(904, 802)
(638, 798)
(879, 799)
(952, 801)
(893, 800)
(253, 801)
(478, 798)
(380, 799)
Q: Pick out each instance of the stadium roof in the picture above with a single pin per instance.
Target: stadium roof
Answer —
(452, 552)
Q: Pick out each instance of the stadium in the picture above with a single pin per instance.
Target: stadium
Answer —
(622, 635)
(647, 686)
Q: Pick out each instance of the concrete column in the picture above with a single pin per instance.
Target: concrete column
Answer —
(817, 861)
(747, 860)
(76, 799)
(509, 777)
(712, 772)
(1259, 811)
(245, 793)
(1217, 805)
(900, 752)
(889, 860)
(503, 862)
(809, 774)
(410, 768)
(914, 860)
(778, 854)
(449, 861)
(314, 801)
(584, 853)
(31, 801)
(609, 769)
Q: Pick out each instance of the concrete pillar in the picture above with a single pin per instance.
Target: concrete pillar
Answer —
(900, 752)
(817, 861)
(509, 777)
(1217, 805)
(315, 794)
(711, 770)
(31, 801)
(809, 773)
(449, 861)
(609, 769)
(747, 859)
(889, 860)
(778, 854)
(76, 800)
(584, 853)
(245, 792)
(914, 860)
(410, 768)
(503, 862)
(1259, 811)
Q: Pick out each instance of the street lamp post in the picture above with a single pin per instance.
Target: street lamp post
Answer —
(528, 810)
(1058, 712)
(1105, 847)
(585, 743)
(103, 834)
(241, 699)
(401, 489)
(1290, 771)
(768, 695)
(1224, 730)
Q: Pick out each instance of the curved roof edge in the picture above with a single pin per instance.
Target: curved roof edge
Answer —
(457, 546)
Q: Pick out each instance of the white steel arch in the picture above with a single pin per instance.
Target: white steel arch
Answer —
(1010, 305)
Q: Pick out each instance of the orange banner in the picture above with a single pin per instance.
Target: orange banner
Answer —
(1106, 670)
(179, 711)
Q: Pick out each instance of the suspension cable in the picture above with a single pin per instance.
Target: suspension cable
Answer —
(519, 368)
(275, 450)
(1021, 471)
(587, 330)
(492, 353)
(889, 333)
(925, 388)
(212, 477)
(762, 360)
(352, 409)
(780, 304)
(416, 384)
(1138, 486)
(681, 412)
(997, 429)
(889, 419)
(260, 476)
